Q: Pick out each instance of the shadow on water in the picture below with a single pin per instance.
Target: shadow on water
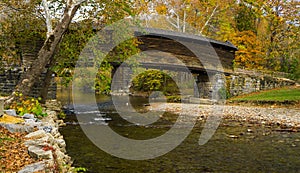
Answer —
(236, 147)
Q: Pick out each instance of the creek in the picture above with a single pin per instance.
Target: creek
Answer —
(235, 147)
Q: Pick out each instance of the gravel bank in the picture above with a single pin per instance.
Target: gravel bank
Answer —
(285, 117)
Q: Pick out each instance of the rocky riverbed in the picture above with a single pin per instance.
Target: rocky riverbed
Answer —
(284, 117)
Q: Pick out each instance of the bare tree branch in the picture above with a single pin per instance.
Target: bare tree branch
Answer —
(48, 18)
(208, 20)
(184, 21)
(78, 2)
(169, 21)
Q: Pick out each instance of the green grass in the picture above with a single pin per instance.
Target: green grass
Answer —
(280, 95)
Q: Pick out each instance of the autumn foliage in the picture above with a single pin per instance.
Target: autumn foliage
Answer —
(13, 153)
(266, 32)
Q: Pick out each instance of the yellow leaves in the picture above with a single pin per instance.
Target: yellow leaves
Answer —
(25, 105)
(20, 109)
(161, 9)
(10, 119)
(250, 51)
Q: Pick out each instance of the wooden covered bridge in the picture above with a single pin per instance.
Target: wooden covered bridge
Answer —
(207, 59)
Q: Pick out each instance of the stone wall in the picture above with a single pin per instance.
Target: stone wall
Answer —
(242, 84)
(44, 141)
(238, 84)
(230, 85)
(10, 78)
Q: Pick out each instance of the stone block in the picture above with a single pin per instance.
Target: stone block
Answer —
(36, 135)
(11, 112)
(40, 142)
(35, 167)
(18, 128)
(61, 143)
(28, 116)
(38, 152)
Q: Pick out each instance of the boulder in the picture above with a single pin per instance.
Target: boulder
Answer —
(28, 116)
(47, 129)
(11, 112)
(18, 128)
(40, 166)
(61, 143)
(36, 135)
(38, 142)
(38, 152)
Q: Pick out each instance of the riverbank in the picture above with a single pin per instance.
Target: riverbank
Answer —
(283, 117)
(37, 144)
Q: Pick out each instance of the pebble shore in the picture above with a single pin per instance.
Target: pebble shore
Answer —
(285, 117)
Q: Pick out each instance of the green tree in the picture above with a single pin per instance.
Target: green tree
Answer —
(246, 19)
(57, 16)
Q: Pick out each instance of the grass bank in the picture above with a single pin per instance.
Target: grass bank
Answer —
(286, 95)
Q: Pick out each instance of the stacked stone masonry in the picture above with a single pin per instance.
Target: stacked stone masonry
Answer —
(208, 85)
(10, 78)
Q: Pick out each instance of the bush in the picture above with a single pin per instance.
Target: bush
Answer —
(174, 99)
(24, 105)
(155, 80)
(223, 93)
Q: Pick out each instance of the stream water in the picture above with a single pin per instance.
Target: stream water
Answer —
(254, 147)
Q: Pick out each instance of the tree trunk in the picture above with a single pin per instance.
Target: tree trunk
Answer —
(45, 54)
(45, 86)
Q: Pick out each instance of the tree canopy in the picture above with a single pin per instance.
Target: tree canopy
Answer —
(266, 32)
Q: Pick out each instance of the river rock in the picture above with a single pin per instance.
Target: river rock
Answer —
(36, 135)
(11, 112)
(51, 114)
(39, 142)
(60, 123)
(249, 130)
(40, 166)
(61, 143)
(28, 116)
(47, 129)
(233, 136)
(18, 128)
(55, 133)
(50, 138)
(38, 152)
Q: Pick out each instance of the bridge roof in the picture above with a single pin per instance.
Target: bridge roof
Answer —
(185, 37)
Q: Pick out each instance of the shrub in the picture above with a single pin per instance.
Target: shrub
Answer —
(223, 93)
(155, 80)
(24, 105)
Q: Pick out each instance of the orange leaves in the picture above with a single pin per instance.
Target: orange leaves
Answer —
(13, 154)
(161, 9)
(250, 53)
